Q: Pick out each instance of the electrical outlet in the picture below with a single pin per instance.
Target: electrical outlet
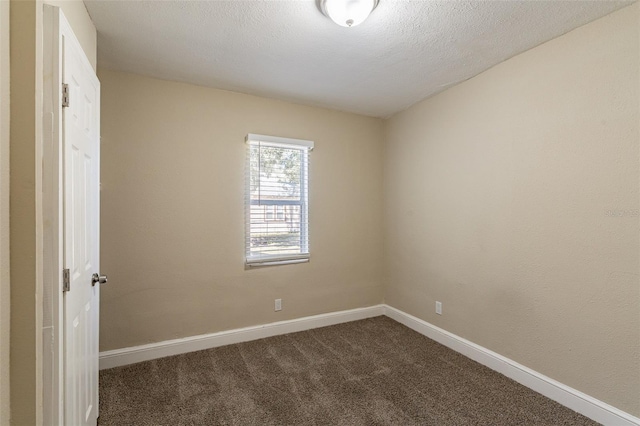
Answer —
(439, 308)
(278, 304)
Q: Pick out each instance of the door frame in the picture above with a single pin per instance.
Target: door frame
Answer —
(55, 27)
(4, 214)
(52, 203)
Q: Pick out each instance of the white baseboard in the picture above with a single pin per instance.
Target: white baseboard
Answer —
(565, 395)
(126, 356)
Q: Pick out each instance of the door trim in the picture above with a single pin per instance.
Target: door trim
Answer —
(5, 290)
(52, 304)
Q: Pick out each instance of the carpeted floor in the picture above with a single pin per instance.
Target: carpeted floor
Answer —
(369, 372)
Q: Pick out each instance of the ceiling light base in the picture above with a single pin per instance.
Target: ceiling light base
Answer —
(347, 13)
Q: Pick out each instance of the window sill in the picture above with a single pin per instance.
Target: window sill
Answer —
(256, 263)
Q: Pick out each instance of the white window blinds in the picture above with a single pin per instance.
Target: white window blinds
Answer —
(276, 200)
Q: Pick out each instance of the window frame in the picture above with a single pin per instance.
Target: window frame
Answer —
(305, 146)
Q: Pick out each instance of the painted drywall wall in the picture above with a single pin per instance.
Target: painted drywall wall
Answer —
(25, 283)
(25, 209)
(172, 211)
(5, 292)
(513, 199)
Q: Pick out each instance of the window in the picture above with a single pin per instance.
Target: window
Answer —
(277, 200)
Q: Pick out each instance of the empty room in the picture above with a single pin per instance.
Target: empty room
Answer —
(319, 212)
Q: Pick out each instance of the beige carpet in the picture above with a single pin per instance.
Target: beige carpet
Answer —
(370, 372)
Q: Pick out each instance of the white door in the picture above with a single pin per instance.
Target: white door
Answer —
(81, 175)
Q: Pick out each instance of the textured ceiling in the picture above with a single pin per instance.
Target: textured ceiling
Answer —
(405, 52)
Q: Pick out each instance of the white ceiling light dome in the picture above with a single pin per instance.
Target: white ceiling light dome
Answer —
(348, 13)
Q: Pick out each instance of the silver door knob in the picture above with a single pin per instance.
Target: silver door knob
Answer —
(95, 278)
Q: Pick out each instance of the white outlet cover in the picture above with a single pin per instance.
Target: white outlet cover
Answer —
(439, 308)
(278, 306)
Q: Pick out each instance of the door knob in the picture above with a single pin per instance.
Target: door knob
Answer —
(95, 278)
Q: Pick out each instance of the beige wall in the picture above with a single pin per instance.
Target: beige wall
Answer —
(497, 199)
(25, 208)
(172, 222)
(25, 334)
(4, 214)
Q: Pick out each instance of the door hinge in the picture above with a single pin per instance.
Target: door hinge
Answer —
(66, 280)
(65, 95)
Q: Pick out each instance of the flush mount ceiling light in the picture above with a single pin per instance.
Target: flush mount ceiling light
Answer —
(347, 13)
